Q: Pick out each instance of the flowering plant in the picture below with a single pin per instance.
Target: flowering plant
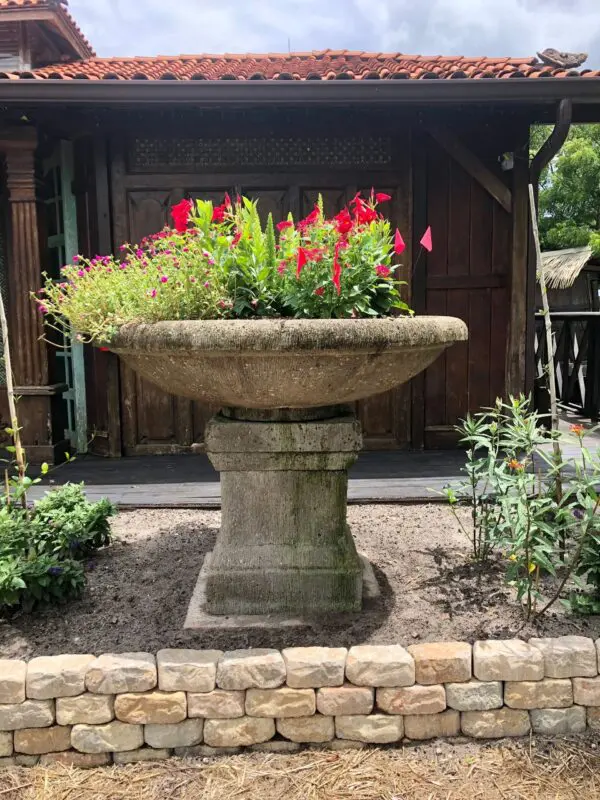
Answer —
(220, 262)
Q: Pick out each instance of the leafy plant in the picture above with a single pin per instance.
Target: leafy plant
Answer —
(42, 548)
(517, 509)
(220, 262)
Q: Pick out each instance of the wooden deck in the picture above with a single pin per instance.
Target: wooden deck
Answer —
(189, 481)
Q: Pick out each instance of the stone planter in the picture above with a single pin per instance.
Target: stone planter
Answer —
(283, 442)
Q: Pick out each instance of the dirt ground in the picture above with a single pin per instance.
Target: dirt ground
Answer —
(139, 588)
(529, 770)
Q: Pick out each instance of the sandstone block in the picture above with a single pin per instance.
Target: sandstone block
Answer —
(10, 761)
(57, 676)
(187, 670)
(314, 667)
(380, 665)
(412, 700)
(441, 662)
(6, 743)
(508, 660)
(182, 734)
(276, 746)
(113, 737)
(551, 721)
(219, 704)
(586, 691)
(495, 724)
(126, 672)
(29, 714)
(346, 700)
(307, 729)
(432, 726)
(204, 751)
(36, 741)
(87, 709)
(547, 693)
(160, 708)
(373, 729)
(238, 732)
(284, 702)
(12, 681)
(474, 695)
(568, 656)
(26, 761)
(342, 744)
(143, 754)
(74, 759)
(593, 718)
(251, 669)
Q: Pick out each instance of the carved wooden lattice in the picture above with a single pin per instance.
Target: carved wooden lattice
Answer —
(164, 154)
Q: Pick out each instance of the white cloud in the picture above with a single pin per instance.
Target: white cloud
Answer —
(463, 27)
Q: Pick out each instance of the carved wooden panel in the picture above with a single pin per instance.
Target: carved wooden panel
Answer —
(167, 154)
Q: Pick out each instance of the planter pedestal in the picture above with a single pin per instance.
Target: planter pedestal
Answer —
(284, 545)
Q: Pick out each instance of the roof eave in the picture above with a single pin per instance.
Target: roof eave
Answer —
(511, 90)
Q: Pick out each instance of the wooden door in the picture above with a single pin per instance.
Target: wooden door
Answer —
(466, 276)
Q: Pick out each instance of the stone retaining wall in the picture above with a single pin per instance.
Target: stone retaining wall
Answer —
(88, 711)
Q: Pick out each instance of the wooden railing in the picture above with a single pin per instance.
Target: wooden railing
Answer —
(576, 345)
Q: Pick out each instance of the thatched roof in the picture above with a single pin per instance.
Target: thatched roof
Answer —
(561, 267)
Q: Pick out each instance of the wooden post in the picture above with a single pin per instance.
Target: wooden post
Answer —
(38, 404)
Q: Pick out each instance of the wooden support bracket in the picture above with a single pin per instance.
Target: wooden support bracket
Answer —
(473, 165)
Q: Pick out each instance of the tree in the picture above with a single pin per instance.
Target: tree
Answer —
(570, 190)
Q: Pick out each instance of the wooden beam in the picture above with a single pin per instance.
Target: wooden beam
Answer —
(473, 165)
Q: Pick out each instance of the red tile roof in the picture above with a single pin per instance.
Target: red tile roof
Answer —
(315, 65)
(59, 7)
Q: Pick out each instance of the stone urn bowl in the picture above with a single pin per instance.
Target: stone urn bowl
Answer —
(283, 442)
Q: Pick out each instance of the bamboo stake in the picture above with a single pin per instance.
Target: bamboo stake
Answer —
(12, 406)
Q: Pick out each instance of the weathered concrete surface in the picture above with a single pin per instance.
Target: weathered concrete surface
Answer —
(284, 544)
(284, 363)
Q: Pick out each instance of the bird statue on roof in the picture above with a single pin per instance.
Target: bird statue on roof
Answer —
(555, 58)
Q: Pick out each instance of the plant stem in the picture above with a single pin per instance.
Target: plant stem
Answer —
(12, 406)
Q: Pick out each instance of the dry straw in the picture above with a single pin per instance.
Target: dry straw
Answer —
(560, 771)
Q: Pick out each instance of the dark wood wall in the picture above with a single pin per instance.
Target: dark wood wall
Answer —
(285, 159)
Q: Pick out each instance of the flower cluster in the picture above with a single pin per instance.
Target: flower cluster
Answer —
(223, 262)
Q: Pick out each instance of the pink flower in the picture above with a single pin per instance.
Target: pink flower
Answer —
(76, 259)
(281, 268)
(206, 284)
(382, 271)
(192, 279)
(163, 279)
(80, 273)
(254, 303)
(152, 293)
(42, 309)
(382, 197)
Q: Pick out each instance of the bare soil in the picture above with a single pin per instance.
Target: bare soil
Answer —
(139, 589)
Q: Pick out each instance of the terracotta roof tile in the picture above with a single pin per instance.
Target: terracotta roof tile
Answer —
(323, 65)
(58, 6)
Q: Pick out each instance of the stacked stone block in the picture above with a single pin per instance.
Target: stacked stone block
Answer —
(87, 711)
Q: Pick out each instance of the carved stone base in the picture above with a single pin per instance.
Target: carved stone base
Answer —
(284, 546)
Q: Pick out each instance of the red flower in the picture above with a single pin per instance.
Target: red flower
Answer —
(517, 466)
(282, 267)
(578, 430)
(363, 212)
(281, 226)
(227, 201)
(382, 271)
(399, 246)
(218, 214)
(382, 197)
(104, 349)
(343, 221)
(236, 238)
(181, 215)
(302, 259)
(337, 269)
(314, 253)
(320, 291)
(310, 219)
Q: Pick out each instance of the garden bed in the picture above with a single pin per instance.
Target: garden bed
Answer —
(139, 589)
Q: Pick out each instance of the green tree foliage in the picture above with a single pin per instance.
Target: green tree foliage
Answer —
(570, 190)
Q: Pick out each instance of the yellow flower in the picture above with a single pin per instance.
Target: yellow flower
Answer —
(512, 557)
(531, 568)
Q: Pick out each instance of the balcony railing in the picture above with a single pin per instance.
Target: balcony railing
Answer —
(576, 357)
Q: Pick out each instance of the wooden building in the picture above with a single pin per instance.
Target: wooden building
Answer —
(95, 151)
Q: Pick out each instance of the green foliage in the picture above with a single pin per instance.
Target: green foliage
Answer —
(222, 263)
(42, 548)
(517, 511)
(570, 190)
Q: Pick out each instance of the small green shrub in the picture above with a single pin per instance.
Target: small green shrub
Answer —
(42, 548)
(530, 504)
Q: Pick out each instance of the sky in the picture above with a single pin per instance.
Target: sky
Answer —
(429, 27)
